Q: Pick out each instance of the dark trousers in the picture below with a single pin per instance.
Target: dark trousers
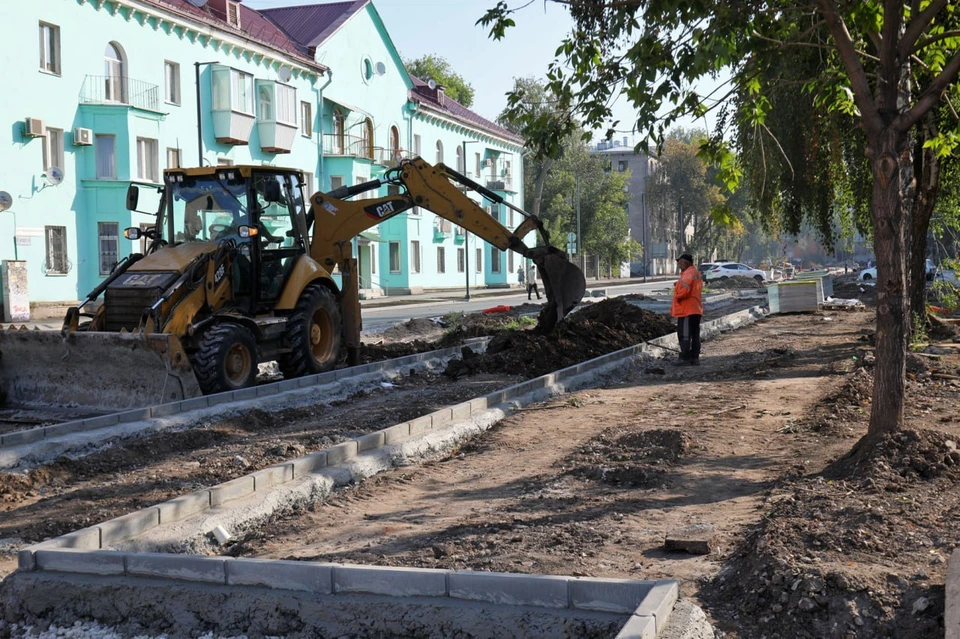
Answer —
(688, 333)
(532, 288)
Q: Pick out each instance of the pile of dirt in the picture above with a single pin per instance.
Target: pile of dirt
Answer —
(635, 459)
(416, 328)
(735, 282)
(838, 413)
(850, 552)
(848, 287)
(596, 330)
(378, 352)
(943, 331)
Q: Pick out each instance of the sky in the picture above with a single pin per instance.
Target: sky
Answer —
(448, 28)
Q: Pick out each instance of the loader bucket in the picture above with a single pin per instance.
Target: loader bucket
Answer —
(103, 372)
(564, 285)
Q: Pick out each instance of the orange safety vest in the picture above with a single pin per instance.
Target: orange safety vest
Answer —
(687, 294)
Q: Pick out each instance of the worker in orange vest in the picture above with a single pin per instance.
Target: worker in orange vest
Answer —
(688, 309)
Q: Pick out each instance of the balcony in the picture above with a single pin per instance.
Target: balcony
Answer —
(352, 146)
(503, 184)
(114, 90)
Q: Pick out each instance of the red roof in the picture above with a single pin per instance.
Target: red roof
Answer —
(311, 24)
(453, 108)
(253, 26)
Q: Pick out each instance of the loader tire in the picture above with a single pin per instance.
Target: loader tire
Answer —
(226, 359)
(314, 331)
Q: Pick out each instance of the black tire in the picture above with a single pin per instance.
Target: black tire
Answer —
(226, 359)
(314, 331)
(759, 278)
(867, 277)
(724, 277)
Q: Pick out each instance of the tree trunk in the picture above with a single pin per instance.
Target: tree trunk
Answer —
(890, 159)
(927, 188)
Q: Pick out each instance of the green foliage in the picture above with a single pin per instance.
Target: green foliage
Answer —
(521, 323)
(918, 333)
(436, 68)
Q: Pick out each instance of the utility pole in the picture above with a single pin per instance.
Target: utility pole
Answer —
(680, 229)
(643, 223)
(196, 70)
(579, 237)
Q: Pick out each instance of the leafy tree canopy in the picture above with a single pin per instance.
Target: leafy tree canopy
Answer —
(436, 68)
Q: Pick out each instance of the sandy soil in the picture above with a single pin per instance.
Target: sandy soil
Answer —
(593, 483)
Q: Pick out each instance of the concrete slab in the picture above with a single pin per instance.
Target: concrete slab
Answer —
(608, 595)
(80, 561)
(392, 581)
(180, 567)
(93, 423)
(282, 575)
(166, 409)
(128, 526)
(659, 601)
(309, 463)
(420, 425)
(370, 442)
(83, 539)
(341, 452)
(639, 627)
(228, 491)
(21, 437)
(182, 507)
(509, 589)
(272, 476)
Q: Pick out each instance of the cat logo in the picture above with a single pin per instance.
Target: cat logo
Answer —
(386, 209)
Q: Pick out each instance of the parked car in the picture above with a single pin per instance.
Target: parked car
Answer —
(868, 274)
(703, 268)
(722, 271)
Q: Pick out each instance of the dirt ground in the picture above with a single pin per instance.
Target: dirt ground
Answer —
(749, 446)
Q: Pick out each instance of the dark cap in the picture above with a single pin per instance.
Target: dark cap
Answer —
(687, 257)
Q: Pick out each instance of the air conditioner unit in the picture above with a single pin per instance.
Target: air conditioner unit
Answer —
(33, 128)
(82, 137)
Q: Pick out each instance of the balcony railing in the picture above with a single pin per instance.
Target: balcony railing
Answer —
(500, 184)
(356, 147)
(107, 89)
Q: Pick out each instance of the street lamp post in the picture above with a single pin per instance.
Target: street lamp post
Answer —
(466, 233)
(643, 225)
(196, 70)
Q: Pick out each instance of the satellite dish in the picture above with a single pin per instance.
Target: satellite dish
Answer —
(432, 84)
(197, 3)
(5, 201)
(381, 68)
(54, 175)
(284, 74)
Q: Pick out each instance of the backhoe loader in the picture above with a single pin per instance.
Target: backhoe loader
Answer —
(237, 272)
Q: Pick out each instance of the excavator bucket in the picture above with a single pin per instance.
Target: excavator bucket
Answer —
(102, 372)
(564, 285)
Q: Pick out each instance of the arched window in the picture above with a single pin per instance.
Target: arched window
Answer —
(394, 143)
(460, 159)
(439, 151)
(337, 132)
(114, 73)
(367, 138)
(266, 103)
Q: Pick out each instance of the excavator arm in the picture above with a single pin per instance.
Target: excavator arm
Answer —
(336, 221)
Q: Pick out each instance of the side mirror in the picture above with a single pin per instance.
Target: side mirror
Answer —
(132, 233)
(245, 231)
(133, 197)
(272, 191)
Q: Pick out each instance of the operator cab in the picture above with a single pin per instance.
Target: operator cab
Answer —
(257, 213)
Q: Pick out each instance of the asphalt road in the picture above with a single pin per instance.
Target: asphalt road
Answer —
(378, 319)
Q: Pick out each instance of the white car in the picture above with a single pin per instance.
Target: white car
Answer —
(724, 270)
(868, 274)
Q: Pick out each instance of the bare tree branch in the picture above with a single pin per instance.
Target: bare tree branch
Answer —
(926, 42)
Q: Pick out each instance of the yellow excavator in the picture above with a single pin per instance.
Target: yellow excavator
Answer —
(237, 272)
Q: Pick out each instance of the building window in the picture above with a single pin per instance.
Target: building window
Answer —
(265, 103)
(233, 14)
(308, 184)
(479, 166)
(173, 158)
(414, 256)
(416, 145)
(373, 259)
(50, 48)
(171, 72)
(461, 260)
(394, 257)
(286, 104)
(495, 257)
(441, 260)
(509, 262)
(439, 152)
(106, 152)
(242, 94)
(306, 119)
(114, 72)
(108, 240)
(336, 181)
(56, 240)
(148, 160)
(338, 132)
(395, 143)
(460, 159)
(53, 149)
(366, 139)
(622, 166)
(479, 260)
